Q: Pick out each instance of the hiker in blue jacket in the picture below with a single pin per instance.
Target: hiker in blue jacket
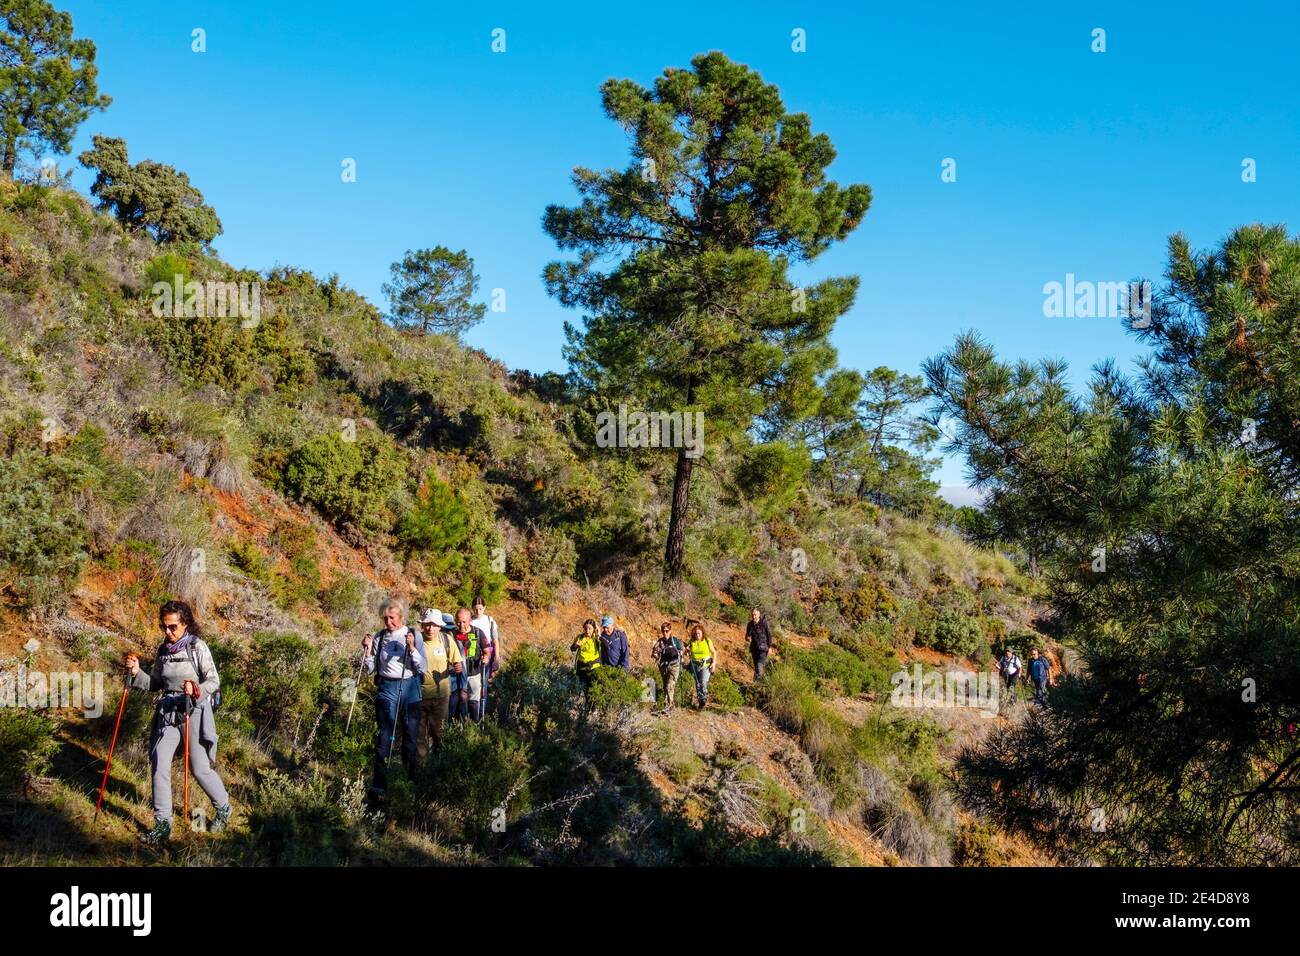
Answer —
(1040, 671)
(613, 642)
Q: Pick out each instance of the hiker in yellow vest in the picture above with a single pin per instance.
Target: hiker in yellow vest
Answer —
(586, 653)
(445, 661)
(702, 657)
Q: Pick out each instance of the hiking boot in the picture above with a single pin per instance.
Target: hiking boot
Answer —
(160, 834)
(220, 820)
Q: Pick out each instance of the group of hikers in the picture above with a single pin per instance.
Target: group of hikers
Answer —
(1039, 671)
(608, 647)
(422, 683)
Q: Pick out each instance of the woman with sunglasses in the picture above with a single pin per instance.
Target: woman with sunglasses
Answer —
(184, 671)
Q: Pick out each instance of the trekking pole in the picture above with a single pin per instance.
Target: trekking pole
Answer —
(185, 770)
(104, 783)
(397, 720)
(355, 685)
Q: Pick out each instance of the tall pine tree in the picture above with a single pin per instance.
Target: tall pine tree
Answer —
(1166, 512)
(697, 313)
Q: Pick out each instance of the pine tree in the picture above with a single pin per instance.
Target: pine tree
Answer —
(724, 191)
(430, 290)
(1166, 512)
(48, 80)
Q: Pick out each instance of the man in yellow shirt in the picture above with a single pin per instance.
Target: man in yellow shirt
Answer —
(444, 659)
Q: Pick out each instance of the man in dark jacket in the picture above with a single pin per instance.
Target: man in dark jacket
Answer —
(613, 642)
(1040, 671)
(759, 633)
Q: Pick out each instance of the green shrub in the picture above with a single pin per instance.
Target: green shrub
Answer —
(839, 672)
(685, 689)
(247, 557)
(282, 676)
(42, 536)
(451, 537)
(679, 762)
(479, 769)
(165, 268)
(789, 698)
(434, 529)
(771, 474)
(298, 823)
(957, 634)
(547, 559)
(27, 745)
(348, 482)
(976, 844)
(724, 693)
(614, 688)
(538, 692)
(348, 748)
(866, 600)
(342, 600)
(303, 583)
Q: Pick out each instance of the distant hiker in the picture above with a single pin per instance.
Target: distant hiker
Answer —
(759, 633)
(586, 649)
(1009, 666)
(184, 671)
(1040, 671)
(486, 623)
(445, 662)
(667, 653)
(613, 641)
(396, 659)
(703, 659)
(473, 644)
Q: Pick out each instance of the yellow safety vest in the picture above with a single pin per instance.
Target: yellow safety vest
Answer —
(588, 652)
(701, 650)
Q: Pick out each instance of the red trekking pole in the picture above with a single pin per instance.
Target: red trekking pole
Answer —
(185, 773)
(104, 783)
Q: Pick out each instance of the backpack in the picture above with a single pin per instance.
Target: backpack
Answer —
(670, 654)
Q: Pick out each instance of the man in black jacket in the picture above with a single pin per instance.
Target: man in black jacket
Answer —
(760, 641)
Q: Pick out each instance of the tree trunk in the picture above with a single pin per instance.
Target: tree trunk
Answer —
(675, 553)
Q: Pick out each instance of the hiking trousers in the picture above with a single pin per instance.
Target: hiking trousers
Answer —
(471, 708)
(702, 674)
(393, 691)
(672, 673)
(167, 740)
(760, 662)
(434, 712)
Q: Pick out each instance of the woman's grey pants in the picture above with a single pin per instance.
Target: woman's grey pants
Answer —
(166, 742)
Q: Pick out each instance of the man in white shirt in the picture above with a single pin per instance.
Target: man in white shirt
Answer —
(396, 657)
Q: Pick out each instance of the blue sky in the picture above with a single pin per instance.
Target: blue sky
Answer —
(1068, 161)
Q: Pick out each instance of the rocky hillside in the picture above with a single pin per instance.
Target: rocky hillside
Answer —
(286, 473)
